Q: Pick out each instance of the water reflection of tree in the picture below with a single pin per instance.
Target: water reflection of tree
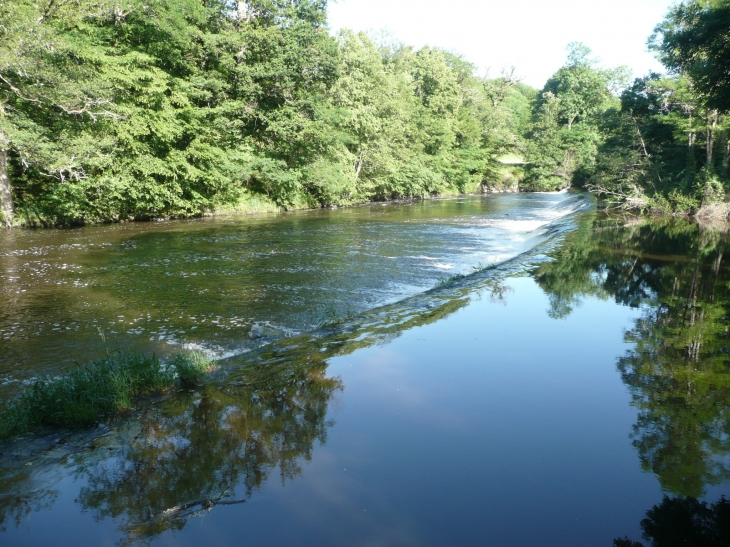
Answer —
(215, 445)
(18, 500)
(194, 451)
(183, 455)
(680, 522)
(678, 370)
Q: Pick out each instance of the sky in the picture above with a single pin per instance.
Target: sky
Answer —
(530, 35)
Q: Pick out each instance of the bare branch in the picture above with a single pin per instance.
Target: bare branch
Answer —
(51, 9)
(206, 504)
(497, 89)
(87, 108)
(17, 91)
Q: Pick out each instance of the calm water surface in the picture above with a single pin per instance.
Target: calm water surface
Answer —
(552, 400)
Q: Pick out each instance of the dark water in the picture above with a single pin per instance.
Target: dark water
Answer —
(553, 400)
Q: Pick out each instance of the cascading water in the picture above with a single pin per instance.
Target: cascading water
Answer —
(229, 285)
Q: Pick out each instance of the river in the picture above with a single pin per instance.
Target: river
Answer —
(497, 370)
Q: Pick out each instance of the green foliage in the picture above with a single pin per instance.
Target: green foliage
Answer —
(673, 125)
(565, 134)
(191, 368)
(692, 40)
(116, 110)
(647, 151)
(139, 109)
(98, 389)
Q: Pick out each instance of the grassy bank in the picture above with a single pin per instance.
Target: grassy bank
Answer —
(98, 390)
(255, 204)
(247, 204)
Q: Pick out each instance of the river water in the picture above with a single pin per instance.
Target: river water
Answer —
(500, 370)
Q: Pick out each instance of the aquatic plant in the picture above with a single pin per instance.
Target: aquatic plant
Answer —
(331, 316)
(484, 267)
(97, 390)
(191, 368)
(447, 281)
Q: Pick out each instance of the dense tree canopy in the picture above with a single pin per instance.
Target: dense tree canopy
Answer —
(565, 134)
(667, 147)
(693, 40)
(138, 109)
(122, 109)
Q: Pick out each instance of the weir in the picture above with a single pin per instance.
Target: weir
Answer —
(226, 286)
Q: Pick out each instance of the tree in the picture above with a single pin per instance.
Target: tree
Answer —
(692, 40)
(47, 89)
(139, 109)
(565, 134)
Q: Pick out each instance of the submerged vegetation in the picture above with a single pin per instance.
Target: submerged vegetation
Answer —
(98, 389)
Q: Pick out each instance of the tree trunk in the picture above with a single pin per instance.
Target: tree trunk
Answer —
(711, 124)
(359, 164)
(6, 194)
(691, 135)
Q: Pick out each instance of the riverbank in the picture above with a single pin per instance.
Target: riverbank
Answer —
(715, 213)
(507, 178)
(257, 204)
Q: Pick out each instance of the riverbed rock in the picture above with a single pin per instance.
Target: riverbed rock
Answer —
(503, 187)
(264, 331)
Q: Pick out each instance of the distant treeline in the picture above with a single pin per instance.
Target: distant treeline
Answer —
(138, 109)
(133, 109)
(659, 143)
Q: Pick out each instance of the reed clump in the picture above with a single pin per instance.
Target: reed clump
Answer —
(191, 368)
(97, 390)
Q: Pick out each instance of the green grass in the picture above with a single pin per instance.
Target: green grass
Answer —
(447, 281)
(450, 280)
(191, 368)
(97, 390)
(483, 267)
(248, 204)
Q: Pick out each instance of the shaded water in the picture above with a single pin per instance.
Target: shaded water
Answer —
(552, 400)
